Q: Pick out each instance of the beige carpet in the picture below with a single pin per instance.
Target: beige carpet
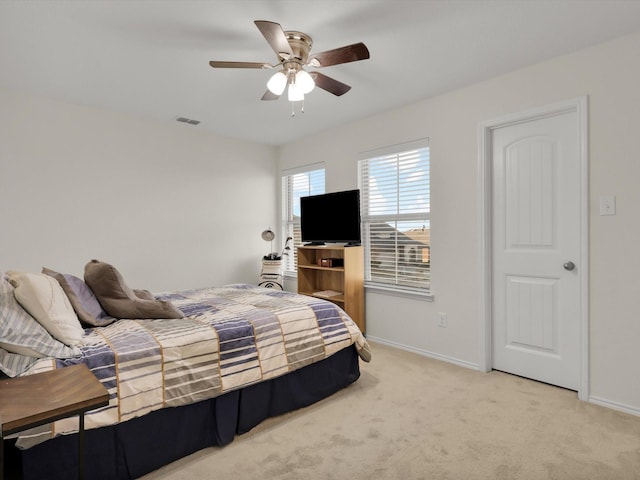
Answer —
(410, 417)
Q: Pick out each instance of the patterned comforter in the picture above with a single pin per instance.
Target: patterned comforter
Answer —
(230, 337)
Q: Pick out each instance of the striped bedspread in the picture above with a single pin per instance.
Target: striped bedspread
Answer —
(230, 337)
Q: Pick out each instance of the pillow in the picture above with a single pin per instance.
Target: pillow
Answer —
(82, 299)
(23, 338)
(43, 297)
(12, 364)
(144, 294)
(120, 301)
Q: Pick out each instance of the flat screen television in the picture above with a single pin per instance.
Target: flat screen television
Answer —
(331, 218)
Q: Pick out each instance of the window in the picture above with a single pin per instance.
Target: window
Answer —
(394, 185)
(295, 184)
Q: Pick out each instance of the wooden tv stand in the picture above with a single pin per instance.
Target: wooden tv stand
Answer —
(348, 279)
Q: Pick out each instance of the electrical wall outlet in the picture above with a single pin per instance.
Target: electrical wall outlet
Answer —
(607, 205)
(442, 319)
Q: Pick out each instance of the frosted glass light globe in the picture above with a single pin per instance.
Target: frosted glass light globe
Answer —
(295, 93)
(277, 83)
(304, 82)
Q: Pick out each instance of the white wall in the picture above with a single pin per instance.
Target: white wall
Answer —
(610, 75)
(172, 207)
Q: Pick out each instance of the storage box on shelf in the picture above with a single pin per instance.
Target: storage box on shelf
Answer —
(342, 284)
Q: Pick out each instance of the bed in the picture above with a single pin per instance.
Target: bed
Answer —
(239, 355)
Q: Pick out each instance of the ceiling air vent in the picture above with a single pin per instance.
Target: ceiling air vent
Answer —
(187, 120)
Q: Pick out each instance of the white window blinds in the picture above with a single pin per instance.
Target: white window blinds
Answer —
(394, 185)
(298, 183)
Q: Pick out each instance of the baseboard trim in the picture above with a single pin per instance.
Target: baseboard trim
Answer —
(603, 402)
(426, 353)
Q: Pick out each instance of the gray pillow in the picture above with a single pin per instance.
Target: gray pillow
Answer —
(120, 301)
(82, 299)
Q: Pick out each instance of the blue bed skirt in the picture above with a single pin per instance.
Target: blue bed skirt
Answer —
(139, 446)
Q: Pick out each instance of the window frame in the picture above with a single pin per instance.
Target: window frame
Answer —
(368, 219)
(289, 221)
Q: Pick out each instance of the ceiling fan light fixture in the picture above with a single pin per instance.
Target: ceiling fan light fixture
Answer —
(277, 83)
(305, 82)
(295, 93)
(293, 48)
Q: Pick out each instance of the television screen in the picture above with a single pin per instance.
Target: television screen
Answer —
(332, 217)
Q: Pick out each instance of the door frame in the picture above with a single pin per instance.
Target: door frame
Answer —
(485, 190)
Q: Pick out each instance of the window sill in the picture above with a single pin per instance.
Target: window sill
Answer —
(399, 292)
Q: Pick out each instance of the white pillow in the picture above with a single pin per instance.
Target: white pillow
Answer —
(43, 297)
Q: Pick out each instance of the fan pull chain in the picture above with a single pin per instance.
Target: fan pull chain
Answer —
(293, 112)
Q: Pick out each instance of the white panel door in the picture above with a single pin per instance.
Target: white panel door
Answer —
(536, 180)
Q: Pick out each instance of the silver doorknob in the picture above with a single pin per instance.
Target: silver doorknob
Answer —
(569, 266)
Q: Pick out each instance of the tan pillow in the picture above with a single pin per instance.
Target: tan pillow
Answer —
(22, 338)
(120, 301)
(43, 297)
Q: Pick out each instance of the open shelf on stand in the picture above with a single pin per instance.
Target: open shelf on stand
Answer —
(347, 279)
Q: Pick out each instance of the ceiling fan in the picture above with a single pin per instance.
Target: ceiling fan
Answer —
(293, 49)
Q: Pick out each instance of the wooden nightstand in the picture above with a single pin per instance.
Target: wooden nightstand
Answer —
(33, 400)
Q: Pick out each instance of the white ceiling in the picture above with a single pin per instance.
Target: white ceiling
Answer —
(150, 58)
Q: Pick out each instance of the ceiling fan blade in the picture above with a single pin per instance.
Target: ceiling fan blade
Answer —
(275, 36)
(269, 95)
(350, 53)
(216, 64)
(329, 84)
